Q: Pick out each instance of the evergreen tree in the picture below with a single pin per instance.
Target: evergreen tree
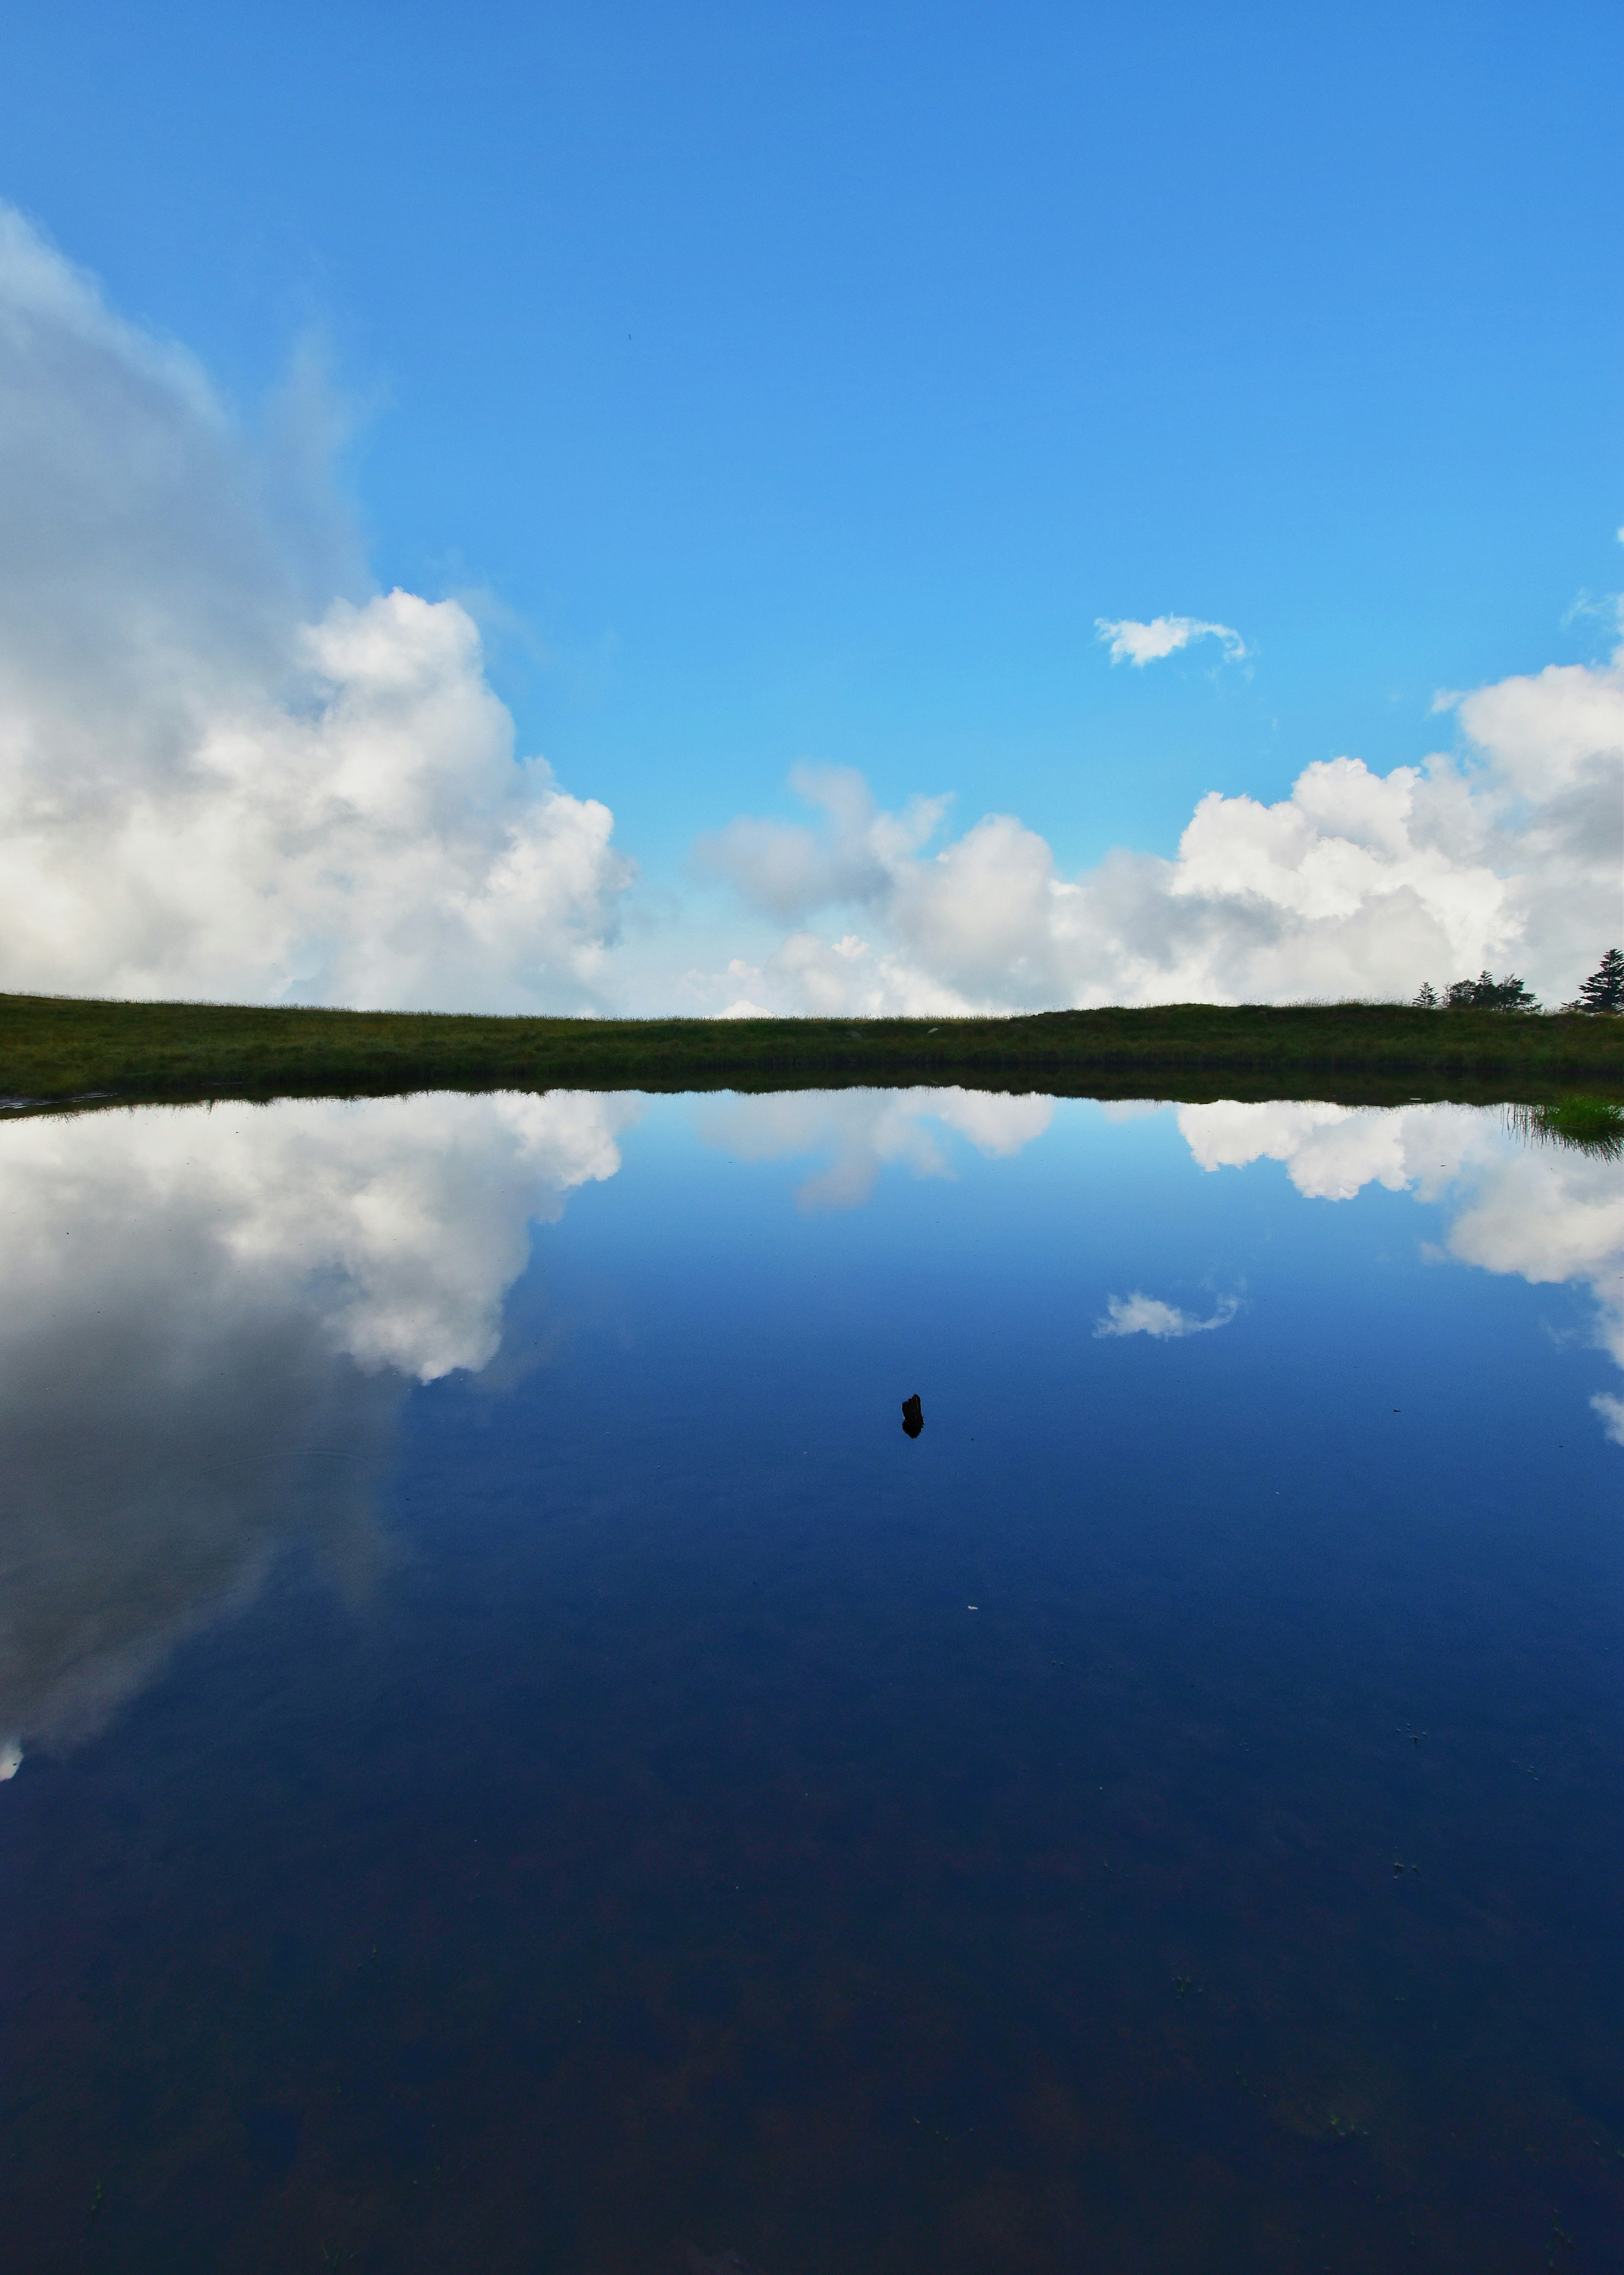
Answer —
(1486, 995)
(1603, 990)
(1425, 997)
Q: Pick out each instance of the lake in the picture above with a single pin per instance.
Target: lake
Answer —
(514, 1759)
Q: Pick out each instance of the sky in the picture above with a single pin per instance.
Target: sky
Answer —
(858, 509)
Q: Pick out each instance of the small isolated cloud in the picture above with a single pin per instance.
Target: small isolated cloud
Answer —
(1611, 1408)
(1138, 644)
(1144, 1315)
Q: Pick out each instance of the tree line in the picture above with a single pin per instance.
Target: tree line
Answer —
(1603, 990)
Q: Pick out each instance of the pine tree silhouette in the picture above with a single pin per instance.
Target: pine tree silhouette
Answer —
(1603, 990)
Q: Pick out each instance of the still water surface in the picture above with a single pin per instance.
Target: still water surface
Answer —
(514, 1761)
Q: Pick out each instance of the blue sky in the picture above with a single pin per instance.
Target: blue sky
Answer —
(782, 386)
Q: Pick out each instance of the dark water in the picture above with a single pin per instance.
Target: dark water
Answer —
(525, 1765)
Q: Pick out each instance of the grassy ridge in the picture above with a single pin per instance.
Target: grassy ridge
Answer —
(59, 1050)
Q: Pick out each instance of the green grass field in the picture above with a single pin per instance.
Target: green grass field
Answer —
(58, 1051)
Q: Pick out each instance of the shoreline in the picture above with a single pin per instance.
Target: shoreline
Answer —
(75, 1055)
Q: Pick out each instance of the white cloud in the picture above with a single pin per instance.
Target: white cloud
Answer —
(1132, 642)
(1356, 884)
(788, 870)
(1145, 1315)
(239, 1297)
(226, 768)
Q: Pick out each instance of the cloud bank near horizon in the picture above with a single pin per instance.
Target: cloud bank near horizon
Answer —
(226, 767)
(229, 768)
(1358, 884)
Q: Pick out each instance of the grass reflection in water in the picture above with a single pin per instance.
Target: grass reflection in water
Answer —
(1589, 1125)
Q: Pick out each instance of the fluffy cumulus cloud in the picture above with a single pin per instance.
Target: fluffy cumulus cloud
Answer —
(1147, 1315)
(227, 766)
(1139, 644)
(239, 1299)
(1358, 884)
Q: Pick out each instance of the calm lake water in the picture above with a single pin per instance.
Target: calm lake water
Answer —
(514, 1761)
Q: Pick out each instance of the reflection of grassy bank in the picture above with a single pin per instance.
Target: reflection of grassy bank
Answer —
(56, 1049)
(1592, 1125)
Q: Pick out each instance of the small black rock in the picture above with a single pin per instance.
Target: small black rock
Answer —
(913, 1416)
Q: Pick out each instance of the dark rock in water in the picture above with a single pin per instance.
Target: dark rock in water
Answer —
(913, 1416)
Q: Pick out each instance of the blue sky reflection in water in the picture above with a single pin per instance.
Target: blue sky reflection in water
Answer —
(511, 1776)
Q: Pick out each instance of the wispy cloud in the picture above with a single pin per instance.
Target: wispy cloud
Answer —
(1145, 1315)
(1132, 642)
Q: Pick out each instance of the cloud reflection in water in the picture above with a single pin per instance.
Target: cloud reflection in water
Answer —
(213, 1318)
(1145, 1315)
(211, 1323)
(863, 1130)
(1549, 1214)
